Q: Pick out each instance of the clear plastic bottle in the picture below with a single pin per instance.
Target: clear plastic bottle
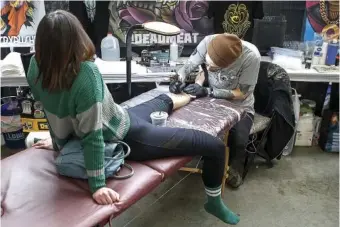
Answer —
(173, 52)
(110, 48)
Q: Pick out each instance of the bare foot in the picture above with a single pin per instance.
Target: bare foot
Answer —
(179, 100)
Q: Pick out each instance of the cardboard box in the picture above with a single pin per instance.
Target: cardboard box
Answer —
(34, 125)
(304, 139)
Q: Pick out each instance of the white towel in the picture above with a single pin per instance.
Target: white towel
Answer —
(12, 65)
(118, 68)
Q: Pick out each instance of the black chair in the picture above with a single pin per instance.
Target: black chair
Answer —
(262, 122)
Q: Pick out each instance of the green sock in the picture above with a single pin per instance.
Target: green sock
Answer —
(216, 207)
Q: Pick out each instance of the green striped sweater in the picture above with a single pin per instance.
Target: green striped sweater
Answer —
(86, 111)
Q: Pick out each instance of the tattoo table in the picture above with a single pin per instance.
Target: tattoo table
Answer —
(33, 194)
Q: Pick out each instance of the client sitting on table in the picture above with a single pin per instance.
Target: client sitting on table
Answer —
(78, 104)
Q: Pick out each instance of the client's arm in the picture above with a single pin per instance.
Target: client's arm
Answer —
(89, 100)
(32, 74)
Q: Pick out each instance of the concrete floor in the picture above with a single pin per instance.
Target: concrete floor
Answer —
(302, 190)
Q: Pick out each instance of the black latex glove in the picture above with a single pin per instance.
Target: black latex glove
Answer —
(196, 90)
(176, 87)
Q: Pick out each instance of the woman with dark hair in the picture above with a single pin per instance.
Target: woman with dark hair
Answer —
(78, 105)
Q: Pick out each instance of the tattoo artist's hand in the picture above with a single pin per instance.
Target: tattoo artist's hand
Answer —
(196, 90)
(44, 144)
(105, 196)
(176, 87)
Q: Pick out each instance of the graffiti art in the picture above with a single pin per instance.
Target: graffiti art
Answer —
(19, 19)
(323, 17)
(190, 16)
(15, 14)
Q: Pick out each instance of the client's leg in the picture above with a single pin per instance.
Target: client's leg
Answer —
(165, 102)
(179, 100)
(152, 142)
(237, 142)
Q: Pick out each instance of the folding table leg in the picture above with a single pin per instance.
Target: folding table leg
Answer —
(191, 170)
(226, 168)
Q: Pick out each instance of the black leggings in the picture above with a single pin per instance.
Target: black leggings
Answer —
(153, 142)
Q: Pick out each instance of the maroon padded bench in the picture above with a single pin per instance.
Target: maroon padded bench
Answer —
(33, 194)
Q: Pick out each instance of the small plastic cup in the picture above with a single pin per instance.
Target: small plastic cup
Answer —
(159, 118)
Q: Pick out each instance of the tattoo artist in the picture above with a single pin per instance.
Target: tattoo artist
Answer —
(232, 66)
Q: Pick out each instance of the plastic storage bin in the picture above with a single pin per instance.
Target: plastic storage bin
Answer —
(304, 139)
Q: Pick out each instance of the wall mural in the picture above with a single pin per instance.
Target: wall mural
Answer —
(19, 20)
(190, 16)
(236, 20)
(322, 17)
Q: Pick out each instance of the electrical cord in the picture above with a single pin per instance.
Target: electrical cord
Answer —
(252, 144)
(159, 198)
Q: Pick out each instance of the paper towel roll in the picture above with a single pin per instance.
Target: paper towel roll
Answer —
(323, 54)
